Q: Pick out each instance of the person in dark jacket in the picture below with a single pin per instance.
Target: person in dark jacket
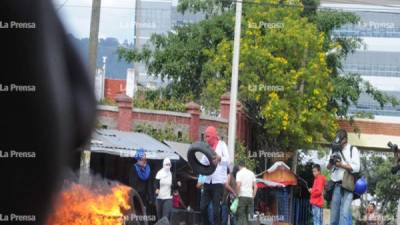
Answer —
(139, 179)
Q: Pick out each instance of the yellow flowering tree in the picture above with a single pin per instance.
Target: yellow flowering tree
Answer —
(284, 80)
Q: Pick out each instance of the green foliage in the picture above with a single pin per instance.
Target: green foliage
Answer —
(181, 54)
(106, 101)
(159, 100)
(310, 8)
(241, 153)
(209, 7)
(290, 57)
(281, 47)
(166, 133)
(384, 186)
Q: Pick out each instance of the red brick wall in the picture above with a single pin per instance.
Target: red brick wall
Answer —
(194, 125)
(113, 87)
(372, 127)
(111, 114)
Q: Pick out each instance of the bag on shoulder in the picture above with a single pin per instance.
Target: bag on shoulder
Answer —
(349, 179)
(329, 186)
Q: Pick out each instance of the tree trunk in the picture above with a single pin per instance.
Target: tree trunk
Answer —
(294, 170)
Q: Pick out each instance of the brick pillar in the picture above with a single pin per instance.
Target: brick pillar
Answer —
(194, 110)
(224, 105)
(224, 108)
(124, 121)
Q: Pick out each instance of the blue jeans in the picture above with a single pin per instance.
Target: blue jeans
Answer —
(212, 193)
(350, 218)
(340, 206)
(317, 214)
(224, 214)
(210, 214)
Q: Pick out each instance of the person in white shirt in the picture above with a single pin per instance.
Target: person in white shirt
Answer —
(164, 185)
(342, 198)
(214, 183)
(246, 188)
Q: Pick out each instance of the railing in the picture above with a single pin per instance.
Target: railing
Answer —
(361, 31)
(373, 69)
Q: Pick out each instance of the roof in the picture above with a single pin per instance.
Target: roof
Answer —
(280, 173)
(180, 148)
(261, 183)
(278, 165)
(125, 144)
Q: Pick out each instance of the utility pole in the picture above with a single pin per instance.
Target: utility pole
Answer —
(137, 43)
(234, 82)
(94, 36)
(84, 177)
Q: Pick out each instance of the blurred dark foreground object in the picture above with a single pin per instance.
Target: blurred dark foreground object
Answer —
(48, 108)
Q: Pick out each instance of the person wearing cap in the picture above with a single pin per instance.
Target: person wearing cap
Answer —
(214, 184)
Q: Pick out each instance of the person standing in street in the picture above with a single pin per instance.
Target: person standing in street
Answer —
(228, 196)
(246, 188)
(214, 183)
(349, 161)
(200, 185)
(316, 195)
(371, 217)
(164, 186)
(139, 179)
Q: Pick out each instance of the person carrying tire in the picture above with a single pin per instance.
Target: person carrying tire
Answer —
(214, 183)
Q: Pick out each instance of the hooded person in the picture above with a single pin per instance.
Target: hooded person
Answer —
(139, 178)
(142, 168)
(214, 184)
(164, 186)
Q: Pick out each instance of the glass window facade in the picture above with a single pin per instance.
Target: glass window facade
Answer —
(381, 67)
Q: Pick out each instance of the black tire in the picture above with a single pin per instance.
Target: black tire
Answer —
(137, 209)
(194, 162)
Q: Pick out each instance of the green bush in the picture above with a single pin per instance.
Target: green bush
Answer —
(166, 133)
(106, 101)
(159, 100)
(241, 153)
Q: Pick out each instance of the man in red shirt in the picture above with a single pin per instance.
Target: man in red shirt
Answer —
(316, 195)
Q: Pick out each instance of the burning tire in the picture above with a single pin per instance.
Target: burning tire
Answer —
(196, 165)
(137, 214)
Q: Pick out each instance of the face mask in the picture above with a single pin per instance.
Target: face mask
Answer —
(167, 167)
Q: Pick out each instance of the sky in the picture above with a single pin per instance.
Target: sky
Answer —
(116, 18)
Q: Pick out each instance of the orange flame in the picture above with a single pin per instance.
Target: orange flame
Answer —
(79, 205)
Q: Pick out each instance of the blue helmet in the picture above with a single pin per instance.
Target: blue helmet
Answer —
(361, 186)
